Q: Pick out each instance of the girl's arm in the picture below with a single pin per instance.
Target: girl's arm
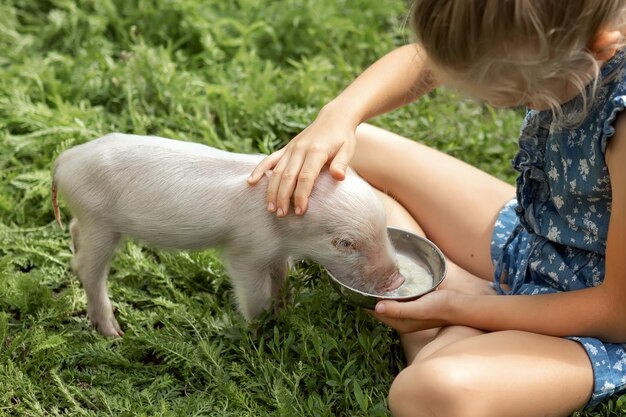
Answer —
(597, 312)
(396, 79)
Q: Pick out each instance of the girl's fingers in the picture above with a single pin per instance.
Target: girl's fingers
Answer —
(294, 174)
(341, 161)
(403, 325)
(306, 180)
(395, 309)
(431, 307)
(286, 185)
(274, 182)
(265, 165)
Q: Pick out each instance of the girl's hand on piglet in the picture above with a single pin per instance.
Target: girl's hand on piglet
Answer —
(330, 139)
(427, 312)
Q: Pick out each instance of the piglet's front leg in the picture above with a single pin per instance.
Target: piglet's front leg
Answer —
(278, 274)
(254, 284)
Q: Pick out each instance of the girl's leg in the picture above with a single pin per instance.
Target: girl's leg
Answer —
(461, 371)
(454, 203)
(508, 373)
(458, 370)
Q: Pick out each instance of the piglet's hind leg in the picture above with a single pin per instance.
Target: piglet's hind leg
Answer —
(75, 233)
(94, 246)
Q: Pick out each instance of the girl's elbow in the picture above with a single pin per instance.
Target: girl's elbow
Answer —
(615, 324)
(614, 336)
(620, 331)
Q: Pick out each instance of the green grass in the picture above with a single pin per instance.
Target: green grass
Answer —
(244, 76)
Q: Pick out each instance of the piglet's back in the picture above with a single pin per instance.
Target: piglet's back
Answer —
(140, 185)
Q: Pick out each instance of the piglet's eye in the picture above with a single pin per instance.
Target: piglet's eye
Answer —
(343, 244)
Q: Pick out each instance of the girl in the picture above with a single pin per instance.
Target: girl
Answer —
(555, 245)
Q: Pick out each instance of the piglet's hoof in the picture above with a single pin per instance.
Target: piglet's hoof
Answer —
(108, 327)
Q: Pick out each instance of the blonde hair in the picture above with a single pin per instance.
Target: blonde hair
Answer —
(516, 46)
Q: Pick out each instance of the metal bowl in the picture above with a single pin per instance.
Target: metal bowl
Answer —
(419, 249)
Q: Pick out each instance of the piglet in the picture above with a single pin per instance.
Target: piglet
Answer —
(181, 195)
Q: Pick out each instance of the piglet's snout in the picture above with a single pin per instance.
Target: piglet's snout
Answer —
(395, 280)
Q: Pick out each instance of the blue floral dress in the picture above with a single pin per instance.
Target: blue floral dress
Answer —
(552, 236)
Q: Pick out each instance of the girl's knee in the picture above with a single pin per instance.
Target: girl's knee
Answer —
(404, 397)
(436, 387)
(365, 130)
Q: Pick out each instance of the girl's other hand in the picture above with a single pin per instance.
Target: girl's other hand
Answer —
(330, 139)
(427, 312)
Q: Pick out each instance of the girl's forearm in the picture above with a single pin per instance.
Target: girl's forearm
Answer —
(396, 79)
(588, 312)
